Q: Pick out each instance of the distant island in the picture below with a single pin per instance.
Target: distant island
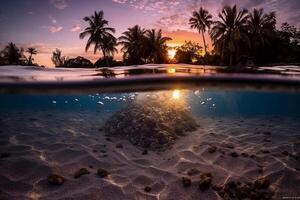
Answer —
(239, 38)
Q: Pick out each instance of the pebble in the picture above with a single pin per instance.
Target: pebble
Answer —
(267, 133)
(193, 172)
(205, 181)
(81, 172)
(147, 189)
(267, 140)
(55, 179)
(245, 155)
(186, 182)
(234, 154)
(119, 146)
(102, 172)
(145, 152)
(212, 149)
(262, 183)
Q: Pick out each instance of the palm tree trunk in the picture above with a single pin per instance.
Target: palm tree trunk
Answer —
(105, 57)
(30, 59)
(204, 42)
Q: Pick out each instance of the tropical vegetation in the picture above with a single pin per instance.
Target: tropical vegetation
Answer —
(238, 37)
(100, 35)
(32, 51)
(201, 21)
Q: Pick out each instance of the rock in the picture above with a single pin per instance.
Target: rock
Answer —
(229, 146)
(265, 151)
(242, 191)
(55, 179)
(205, 181)
(186, 182)
(108, 139)
(245, 155)
(81, 172)
(212, 149)
(193, 172)
(234, 154)
(267, 140)
(145, 152)
(267, 133)
(252, 156)
(152, 123)
(147, 189)
(102, 172)
(119, 146)
(5, 155)
(262, 183)
(286, 153)
(260, 170)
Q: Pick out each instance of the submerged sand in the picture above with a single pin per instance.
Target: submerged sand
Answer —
(34, 145)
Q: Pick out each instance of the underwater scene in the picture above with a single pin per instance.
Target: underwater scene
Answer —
(199, 143)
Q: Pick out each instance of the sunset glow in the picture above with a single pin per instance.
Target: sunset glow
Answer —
(50, 24)
(171, 53)
(176, 94)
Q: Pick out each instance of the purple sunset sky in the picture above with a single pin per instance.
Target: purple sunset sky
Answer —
(50, 24)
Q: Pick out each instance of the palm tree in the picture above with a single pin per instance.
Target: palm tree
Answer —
(12, 54)
(260, 27)
(228, 33)
(99, 34)
(133, 42)
(109, 46)
(201, 21)
(57, 58)
(156, 46)
(31, 51)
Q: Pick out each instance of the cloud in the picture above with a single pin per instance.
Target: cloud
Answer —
(59, 4)
(55, 29)
(75, 28)
(150, 5)
(176, 17)
(52, 19)
(120, 1)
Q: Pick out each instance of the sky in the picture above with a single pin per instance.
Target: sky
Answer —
(49, 24)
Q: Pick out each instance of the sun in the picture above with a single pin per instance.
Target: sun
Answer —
(171, 53)
(172, 50)
(176, 94)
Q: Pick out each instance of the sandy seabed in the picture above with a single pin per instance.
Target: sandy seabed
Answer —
(37, 144)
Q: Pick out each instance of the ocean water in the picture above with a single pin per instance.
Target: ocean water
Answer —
(212, 103)
(182, 132)
(241, 135)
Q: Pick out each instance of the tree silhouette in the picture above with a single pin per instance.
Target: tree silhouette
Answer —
(31, 51)
(230, 32)
(100, 35)
(12, 55)
(201, 21)
(133, 42)
(57, 58)
(156, 48)
(260, 28)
